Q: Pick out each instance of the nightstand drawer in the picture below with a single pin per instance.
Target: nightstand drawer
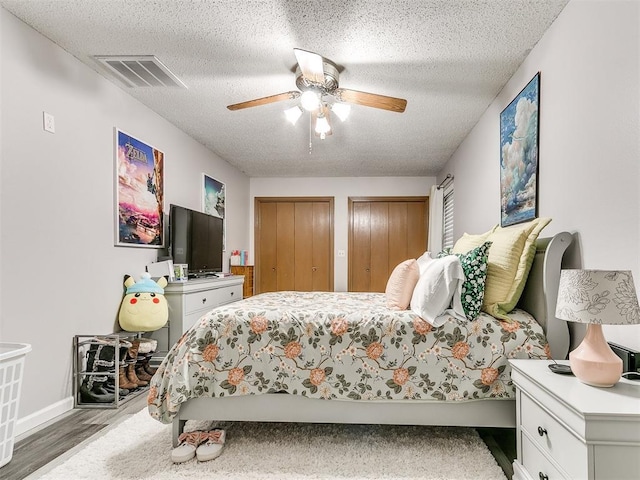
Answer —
(537, 464)
(553, 438)
(210, 298)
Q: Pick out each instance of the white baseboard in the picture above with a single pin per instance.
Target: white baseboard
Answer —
(39, 418)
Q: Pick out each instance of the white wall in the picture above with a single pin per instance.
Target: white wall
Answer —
(589, 174)
(341, 189)
(61, 275)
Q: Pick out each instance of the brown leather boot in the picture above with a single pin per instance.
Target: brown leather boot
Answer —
(147, 366)
(141, 373)
(131, 364)
(133, 378)
(123, 381)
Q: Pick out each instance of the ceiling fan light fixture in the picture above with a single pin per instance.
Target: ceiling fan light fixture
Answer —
(342, 110)
(310, 100)
(293, 114)
(322, 126)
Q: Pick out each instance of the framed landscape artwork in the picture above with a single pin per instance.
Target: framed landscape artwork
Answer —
(213, 201)
(139, 193)
(519, 127)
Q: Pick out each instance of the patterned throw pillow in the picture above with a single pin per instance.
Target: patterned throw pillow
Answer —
(474, 265)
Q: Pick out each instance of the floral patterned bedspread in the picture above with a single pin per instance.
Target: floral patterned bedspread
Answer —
(345, 346)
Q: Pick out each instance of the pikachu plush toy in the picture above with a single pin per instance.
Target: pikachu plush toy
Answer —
(144, 307)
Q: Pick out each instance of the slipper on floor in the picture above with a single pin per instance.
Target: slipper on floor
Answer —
(212, 445)
(189, 442)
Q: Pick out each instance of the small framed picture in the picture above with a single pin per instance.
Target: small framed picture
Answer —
(213, 202)
(181, 272)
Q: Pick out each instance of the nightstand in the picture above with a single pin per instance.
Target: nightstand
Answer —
(566, 429)
(247, 272)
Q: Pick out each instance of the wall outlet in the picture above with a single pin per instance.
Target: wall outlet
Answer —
(342, 253)
(49, 122)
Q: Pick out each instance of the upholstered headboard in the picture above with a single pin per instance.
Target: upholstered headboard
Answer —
(541, 291)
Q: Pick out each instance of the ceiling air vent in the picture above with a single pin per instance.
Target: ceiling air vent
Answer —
(140, 71)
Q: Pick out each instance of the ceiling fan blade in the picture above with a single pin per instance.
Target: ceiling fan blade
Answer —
(371, 100)
(310, 65)
(264, 100)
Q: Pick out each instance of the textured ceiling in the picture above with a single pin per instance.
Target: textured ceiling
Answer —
(447, 58)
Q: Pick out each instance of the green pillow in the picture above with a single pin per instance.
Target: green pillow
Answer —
(474, 266)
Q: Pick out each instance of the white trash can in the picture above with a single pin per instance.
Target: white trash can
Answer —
(12, 357)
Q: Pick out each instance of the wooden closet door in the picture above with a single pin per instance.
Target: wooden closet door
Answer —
(303, 246)
(322, 251)
(360, 248)
(267, 247)
(285, 245)
(379, 227)
(294, 244)
(383, 231)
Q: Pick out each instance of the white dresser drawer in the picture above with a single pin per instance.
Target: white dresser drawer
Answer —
(553, 438)
(189, 301)
(231, 294)
(208, 299)
(537, 464)
(189, 320)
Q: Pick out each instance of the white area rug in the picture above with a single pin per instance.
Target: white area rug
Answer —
(139, 448)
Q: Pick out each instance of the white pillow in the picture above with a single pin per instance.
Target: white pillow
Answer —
(440, 283)
(423, 260)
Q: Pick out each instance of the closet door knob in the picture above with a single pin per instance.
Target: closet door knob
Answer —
(542, 476)
(542, 431)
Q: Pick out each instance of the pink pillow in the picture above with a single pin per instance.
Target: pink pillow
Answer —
(401, 283)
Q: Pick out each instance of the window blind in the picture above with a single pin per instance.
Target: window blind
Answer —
(447, 228)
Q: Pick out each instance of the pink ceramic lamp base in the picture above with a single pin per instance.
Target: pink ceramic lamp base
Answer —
(593, 362)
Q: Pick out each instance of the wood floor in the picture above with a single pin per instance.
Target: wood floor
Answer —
(38, 449)
(69, 430)
(502, 444)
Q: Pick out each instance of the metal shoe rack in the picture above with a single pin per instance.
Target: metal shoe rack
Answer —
(81, 346)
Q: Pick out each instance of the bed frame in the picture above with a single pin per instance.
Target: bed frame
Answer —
(539, 299)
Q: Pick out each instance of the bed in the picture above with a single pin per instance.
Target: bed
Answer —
(360, 363)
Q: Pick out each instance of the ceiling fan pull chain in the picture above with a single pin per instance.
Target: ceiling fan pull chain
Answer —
(310, 134)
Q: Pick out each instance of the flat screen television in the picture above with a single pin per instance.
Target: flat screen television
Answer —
(196, 239)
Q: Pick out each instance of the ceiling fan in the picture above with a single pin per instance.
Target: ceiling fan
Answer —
(317, 79)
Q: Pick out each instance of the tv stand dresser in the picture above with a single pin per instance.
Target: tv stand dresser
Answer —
(190, 300)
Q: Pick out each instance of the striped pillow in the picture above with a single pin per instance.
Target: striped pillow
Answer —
(510, 258)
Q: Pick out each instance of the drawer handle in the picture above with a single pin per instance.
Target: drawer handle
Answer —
(232, 293)
(542, 476)
(204, 300)
(542, 432)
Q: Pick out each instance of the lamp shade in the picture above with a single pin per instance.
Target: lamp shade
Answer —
(605, 297)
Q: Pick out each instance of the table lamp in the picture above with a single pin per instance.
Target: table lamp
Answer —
(597, 297)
